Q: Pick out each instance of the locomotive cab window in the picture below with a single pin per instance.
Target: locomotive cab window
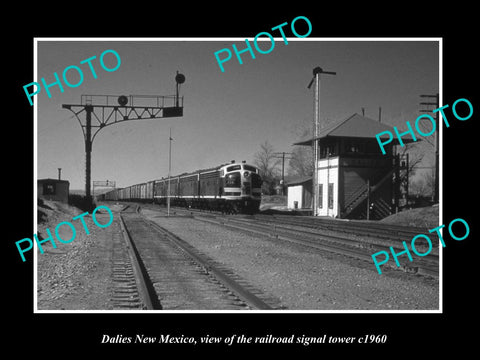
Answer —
(233, 168)
(250, 168)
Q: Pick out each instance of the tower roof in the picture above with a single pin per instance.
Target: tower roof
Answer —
(356, 126)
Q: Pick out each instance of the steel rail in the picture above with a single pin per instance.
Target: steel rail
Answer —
(392, 232)
(381, 230)
(421, 266)
(143, 283)
(311, 233)
(244, 294)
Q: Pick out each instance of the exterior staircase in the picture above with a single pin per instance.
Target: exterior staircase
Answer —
(357, 202)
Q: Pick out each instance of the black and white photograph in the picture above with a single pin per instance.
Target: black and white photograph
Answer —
(296, 181)
(253, 221)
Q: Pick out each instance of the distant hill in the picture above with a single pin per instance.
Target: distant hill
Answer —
(82, 192)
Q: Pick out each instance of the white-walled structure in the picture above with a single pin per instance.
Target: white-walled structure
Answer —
(355, 180)
(299, 194)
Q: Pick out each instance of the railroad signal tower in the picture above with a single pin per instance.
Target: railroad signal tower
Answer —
(107, 110)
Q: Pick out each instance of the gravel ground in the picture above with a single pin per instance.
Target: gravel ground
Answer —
(302, 278)
(77, 275)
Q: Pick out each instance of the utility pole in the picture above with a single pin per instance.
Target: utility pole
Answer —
(435, 194)
(368, 199)
(112, 109)
(281, 155)
(169, 170)
(316, 120)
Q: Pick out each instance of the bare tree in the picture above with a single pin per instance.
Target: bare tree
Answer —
(415, 157)
(424, 184)
(301, 162)
(418, 187)
(267, 162)
(429, 178)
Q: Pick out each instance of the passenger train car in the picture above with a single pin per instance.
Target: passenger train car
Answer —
(230, 188)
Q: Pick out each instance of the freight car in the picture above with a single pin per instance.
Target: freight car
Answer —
(230, 188)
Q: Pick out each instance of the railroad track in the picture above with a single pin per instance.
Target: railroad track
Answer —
(126, 292)
(357, 248)
(179, 277)
(361, 243)
(364, 241)
(379, 230)
(371, 229)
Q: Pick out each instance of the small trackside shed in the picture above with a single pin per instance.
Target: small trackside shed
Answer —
(299, 193)
(52, 189)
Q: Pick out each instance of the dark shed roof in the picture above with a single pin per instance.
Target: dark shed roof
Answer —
(299, 181)
(48, 180)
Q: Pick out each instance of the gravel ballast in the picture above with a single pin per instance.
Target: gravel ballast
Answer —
(302, 278)
(76, 275)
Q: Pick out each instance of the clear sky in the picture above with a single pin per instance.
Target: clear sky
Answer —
(227, 115)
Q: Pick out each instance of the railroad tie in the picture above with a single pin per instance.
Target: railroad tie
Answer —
(125, 294)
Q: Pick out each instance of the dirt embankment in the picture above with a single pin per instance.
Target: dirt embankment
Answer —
(427, 217)
(75, 275)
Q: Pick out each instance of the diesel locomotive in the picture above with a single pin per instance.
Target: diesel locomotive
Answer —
(229, 188)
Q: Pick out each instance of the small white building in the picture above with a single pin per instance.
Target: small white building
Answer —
(299, 193)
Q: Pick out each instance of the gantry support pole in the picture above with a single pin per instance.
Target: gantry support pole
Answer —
(88, 152)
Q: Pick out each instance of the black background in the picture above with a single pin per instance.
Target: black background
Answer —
(58, 335)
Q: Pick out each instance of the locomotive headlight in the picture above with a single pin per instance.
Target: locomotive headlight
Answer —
(246, 174)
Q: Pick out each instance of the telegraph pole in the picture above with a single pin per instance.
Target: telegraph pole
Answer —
(316, 120)
(112, 109)
(435, 195)
(281, 155)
